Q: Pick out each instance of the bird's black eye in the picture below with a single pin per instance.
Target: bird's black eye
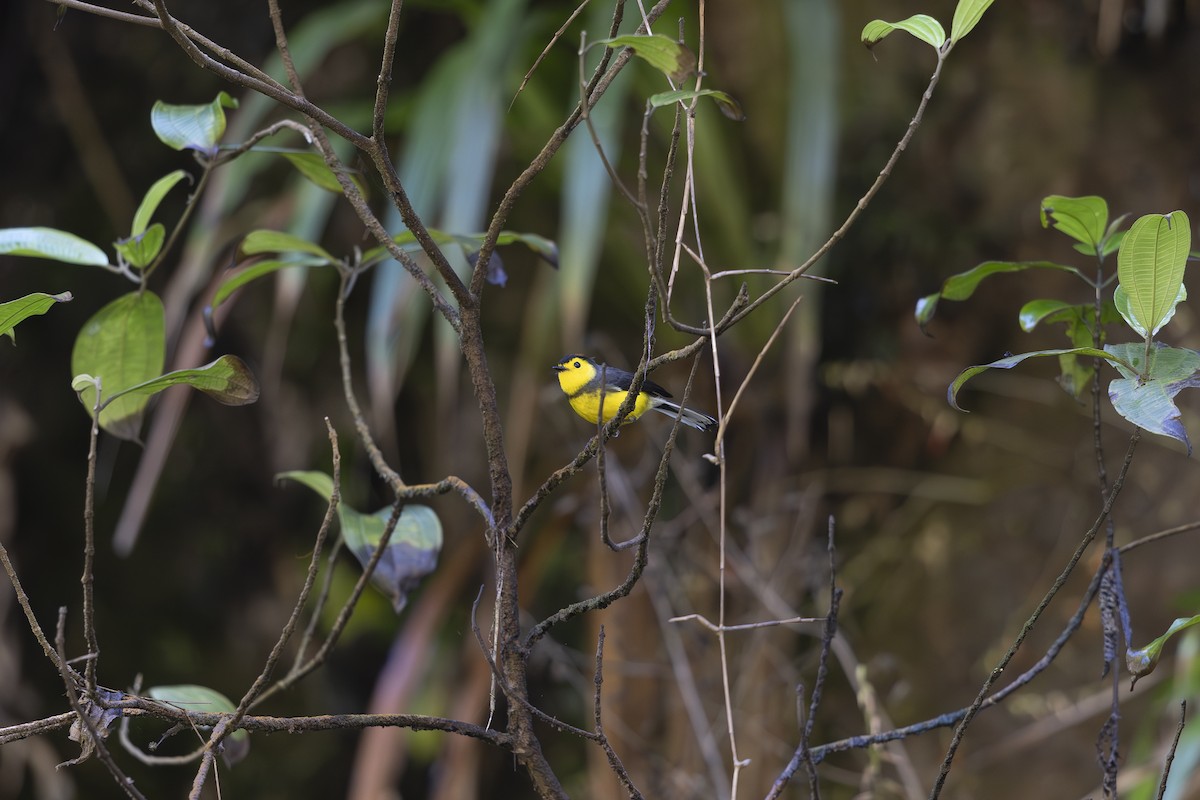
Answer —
(577, 365)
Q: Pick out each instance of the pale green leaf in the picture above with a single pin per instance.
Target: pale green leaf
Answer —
(52, 244)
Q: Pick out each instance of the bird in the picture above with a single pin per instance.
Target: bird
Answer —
(580, 379)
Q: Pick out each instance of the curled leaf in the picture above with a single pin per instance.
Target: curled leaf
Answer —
(922, 26)
(197, 127)
(1142, 661)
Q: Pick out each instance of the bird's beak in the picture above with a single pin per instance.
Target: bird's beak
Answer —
(559, 368)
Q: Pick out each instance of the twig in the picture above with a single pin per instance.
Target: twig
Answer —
(614, 761)
(89, 734)
(1162, 785)
(803, 755)
(252, 694)
(862, 203)
(748, 626)
(23, 601)
(87, 580)
(384, 81)
(13, 733)
(960, 729)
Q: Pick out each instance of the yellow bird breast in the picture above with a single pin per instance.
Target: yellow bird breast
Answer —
(587, 405)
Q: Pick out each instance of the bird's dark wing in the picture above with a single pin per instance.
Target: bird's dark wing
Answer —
(619, 380)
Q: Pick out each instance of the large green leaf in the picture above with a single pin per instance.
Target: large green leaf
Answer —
(922, 26)
(31, 305)
(1150, 267)
(227, 380)
(963, 285)
(668, 56)
(154, 196)
(122, 345)
(411, 553)
(197, 128)
(1084, 219)
(1145, 393)
(966, 16)
(51, 243)
(1008, 362)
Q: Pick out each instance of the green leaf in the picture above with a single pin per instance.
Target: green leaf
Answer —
(141, 249)
(1008, 362)
(966, 16)
(1082, 218)
(1145, 393)
(122, 345)
(922, 26)
(963, 285)
(411, 553)
(227, 380)
(31, 305)
(265, 241)
(1150, 268)
(50, 243)
(240, 277)
(190, 697)
(666, 55)
(197, 128)
(313, 167)
(1142, 661)
(727, 105)
(154, 196)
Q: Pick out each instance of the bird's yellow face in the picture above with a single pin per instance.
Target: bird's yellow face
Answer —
(579, 378)
(574, 373)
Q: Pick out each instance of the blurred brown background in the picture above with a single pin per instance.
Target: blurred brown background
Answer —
(950, 527)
